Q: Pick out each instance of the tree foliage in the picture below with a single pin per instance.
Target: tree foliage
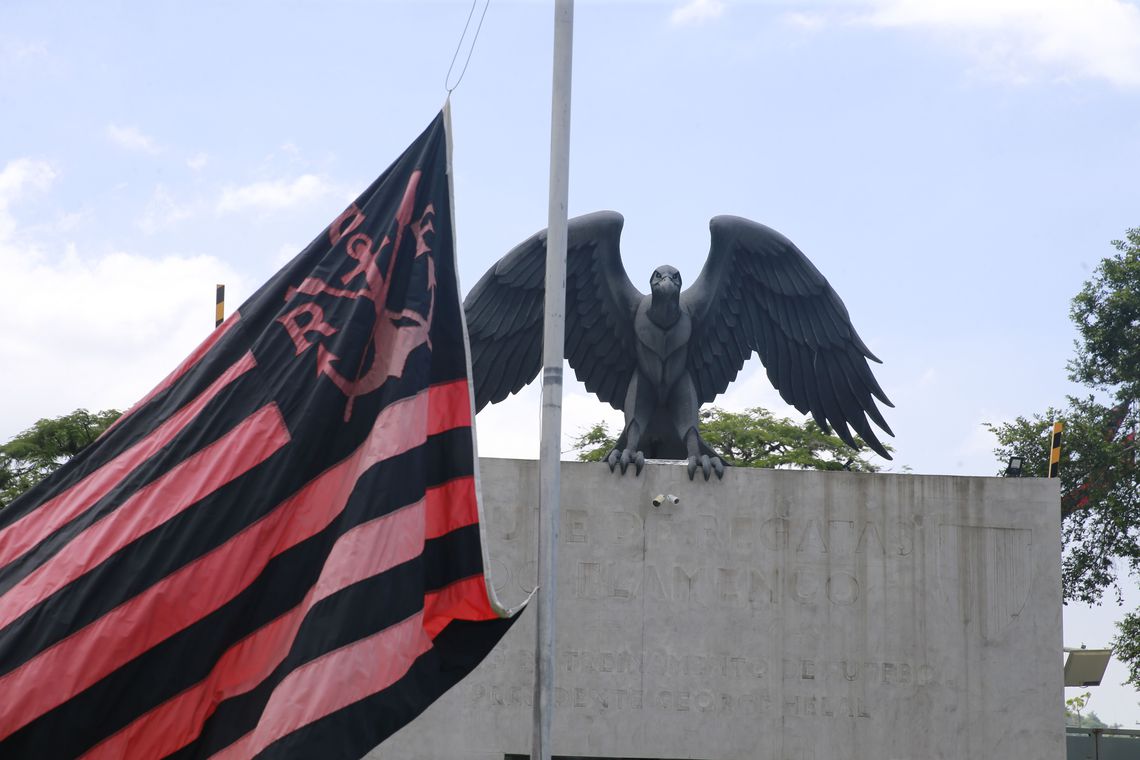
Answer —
(1107, 315)
(1086, 720)
(37, 452)
(1100, 474)
(754, 438)
(595, 443)
(1099, 504)
(1075, 714)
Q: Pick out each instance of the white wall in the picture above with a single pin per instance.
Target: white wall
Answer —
(773, 615)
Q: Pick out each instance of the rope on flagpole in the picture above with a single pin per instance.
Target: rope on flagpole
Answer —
(459, 45)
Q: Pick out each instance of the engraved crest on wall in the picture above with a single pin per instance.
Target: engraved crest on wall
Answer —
(985, 575)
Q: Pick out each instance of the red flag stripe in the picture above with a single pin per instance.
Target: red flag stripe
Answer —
(249, 443)
(450, 407)
(27, 532)
(366, 550)
(187, 364)
(319, 688)
(211, 581)
(451, 506)
(102, 625)
(462, 600)
(169, 606)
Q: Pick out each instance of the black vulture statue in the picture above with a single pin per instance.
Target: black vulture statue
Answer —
(658, 357)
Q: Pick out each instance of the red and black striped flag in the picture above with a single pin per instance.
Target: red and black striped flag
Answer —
(277, 552)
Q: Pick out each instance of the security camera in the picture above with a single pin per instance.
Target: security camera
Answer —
(673, 499)
(658, 500)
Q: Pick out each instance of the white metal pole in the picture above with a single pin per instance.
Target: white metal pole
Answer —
(553, 338)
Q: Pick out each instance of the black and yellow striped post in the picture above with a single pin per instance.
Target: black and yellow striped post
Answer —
(1055, 451)
(220, 305)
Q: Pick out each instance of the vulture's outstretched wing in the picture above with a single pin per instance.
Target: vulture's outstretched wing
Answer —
(758, 292)
(505, 309)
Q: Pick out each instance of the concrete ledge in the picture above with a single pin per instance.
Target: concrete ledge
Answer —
(774, 615)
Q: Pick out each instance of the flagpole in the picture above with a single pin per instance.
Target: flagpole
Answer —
(553, 338)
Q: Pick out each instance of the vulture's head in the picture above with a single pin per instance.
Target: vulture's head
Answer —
(665, 282)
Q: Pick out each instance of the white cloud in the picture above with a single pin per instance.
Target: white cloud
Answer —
(696, 12)
(266, 196)
(286, 253)
(90, 331)
(131, 138)
(1027, 40)
(99, 331)
(23, 173)
(23, 51)
(753, 388)
(974, 451)
(198, 161)
(511, 428)
(69, 220)
(163, 211)
(806, 21)
(19, 176)
(581, 410)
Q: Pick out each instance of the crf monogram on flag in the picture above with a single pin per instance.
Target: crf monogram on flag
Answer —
(398, 332)
(277, 552)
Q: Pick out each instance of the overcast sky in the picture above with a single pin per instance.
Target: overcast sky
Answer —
(956, 168)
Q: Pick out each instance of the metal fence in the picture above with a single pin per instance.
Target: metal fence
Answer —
(1102, 743)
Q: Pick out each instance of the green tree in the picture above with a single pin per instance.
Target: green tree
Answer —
(1100, 475)
(595, 443)
(1099, 505)
(754, 438)
(1076, 716)
(1107, 315)
(1092, 720)
(1074, 706)
(37, 452)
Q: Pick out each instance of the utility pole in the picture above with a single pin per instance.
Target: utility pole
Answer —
(553, 338)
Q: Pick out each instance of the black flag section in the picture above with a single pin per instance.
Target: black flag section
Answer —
(277, 552)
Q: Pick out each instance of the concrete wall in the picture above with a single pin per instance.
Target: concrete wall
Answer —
(773, 615)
